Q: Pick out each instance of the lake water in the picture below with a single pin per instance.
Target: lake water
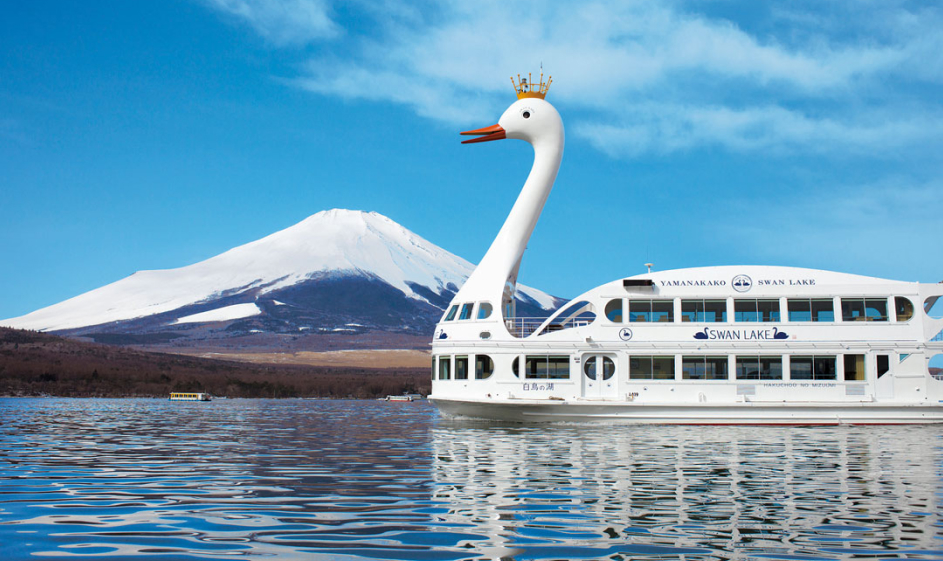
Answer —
(301, 479)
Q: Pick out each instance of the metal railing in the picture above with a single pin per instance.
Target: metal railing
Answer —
(523, 327)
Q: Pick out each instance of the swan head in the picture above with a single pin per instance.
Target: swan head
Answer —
(529, 119)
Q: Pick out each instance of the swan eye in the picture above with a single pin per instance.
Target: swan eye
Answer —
(526, 114)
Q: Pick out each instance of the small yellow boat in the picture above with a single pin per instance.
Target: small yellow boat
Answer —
(190, 396)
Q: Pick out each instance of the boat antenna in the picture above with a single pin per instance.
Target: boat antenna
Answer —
(649, 265)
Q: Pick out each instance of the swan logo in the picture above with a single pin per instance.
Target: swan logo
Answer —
(742, 283)
(625, 334)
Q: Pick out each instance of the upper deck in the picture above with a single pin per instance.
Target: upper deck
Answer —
(726, 304)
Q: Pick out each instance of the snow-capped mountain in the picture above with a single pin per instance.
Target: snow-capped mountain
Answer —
(334, 270)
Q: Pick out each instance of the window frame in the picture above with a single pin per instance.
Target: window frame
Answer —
(607, 310)
(700, 313)
(849, 305)
(816, 362)
(461, 373)
(665, 312)
(897, 309)
(757, 311)
(480, 370)
(450, 315)
(704, 361)
(448, 367)
(760, 360)
(650, 359)
(856, 361)
(552, 369)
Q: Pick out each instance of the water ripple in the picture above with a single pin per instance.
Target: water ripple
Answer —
(307, 479)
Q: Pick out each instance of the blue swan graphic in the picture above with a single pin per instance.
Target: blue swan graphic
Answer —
(701, 335)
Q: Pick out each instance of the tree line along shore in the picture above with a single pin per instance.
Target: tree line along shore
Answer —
(37, 364)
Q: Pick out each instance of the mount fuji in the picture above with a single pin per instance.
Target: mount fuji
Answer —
(336, 272)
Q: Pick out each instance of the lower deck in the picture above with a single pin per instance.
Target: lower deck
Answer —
(642, 384)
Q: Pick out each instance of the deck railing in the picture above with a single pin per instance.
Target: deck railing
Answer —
(522, 327)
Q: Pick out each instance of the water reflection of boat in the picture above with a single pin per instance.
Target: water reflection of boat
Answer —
(736, 492)
(711, 345)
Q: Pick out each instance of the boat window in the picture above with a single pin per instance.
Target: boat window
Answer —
(614, 310)
(811, 309)
(823, 309)
(578, 314)
(433, 367)
(466, 311)
(903, 308)
(484, 310)
(651, 310)
(704, 311)
(546, 367)
(864, 309)
(484, 367)
(589, 368)
(884, 364)
(799, 309)
(704, 368)
(461, 367)
(451, 315)
(816, 367)
(750, 310)
(935, 366)
(854, 367)
(608, 368)
(759, 368)
(876, 309)
(515, 366)
(445, 365)
(652, 367)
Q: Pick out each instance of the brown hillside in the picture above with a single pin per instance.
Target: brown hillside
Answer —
(34, 363)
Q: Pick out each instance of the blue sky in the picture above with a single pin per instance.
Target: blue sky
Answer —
(154, 134)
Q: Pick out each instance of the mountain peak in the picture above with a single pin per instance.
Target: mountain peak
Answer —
(330, 243)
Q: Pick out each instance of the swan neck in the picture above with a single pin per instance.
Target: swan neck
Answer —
(495, 278)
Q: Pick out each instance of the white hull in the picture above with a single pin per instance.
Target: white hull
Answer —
(693, 414)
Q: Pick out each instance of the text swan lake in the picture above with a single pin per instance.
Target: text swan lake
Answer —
(769, 334)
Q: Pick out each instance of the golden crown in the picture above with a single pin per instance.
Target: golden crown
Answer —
(525, 87)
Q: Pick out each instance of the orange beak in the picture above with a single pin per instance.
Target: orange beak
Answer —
(494, 132)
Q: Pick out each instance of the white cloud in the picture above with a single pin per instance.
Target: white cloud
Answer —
(283, 22)
(664, 128)
(639, 77)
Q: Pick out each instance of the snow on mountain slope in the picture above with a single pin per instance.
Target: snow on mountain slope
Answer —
(329, 242)
(226, 313)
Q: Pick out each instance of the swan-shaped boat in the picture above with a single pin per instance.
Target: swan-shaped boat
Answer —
(711, 345)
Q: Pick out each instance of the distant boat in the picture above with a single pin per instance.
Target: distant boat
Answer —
(190, 396)
(405, 397)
